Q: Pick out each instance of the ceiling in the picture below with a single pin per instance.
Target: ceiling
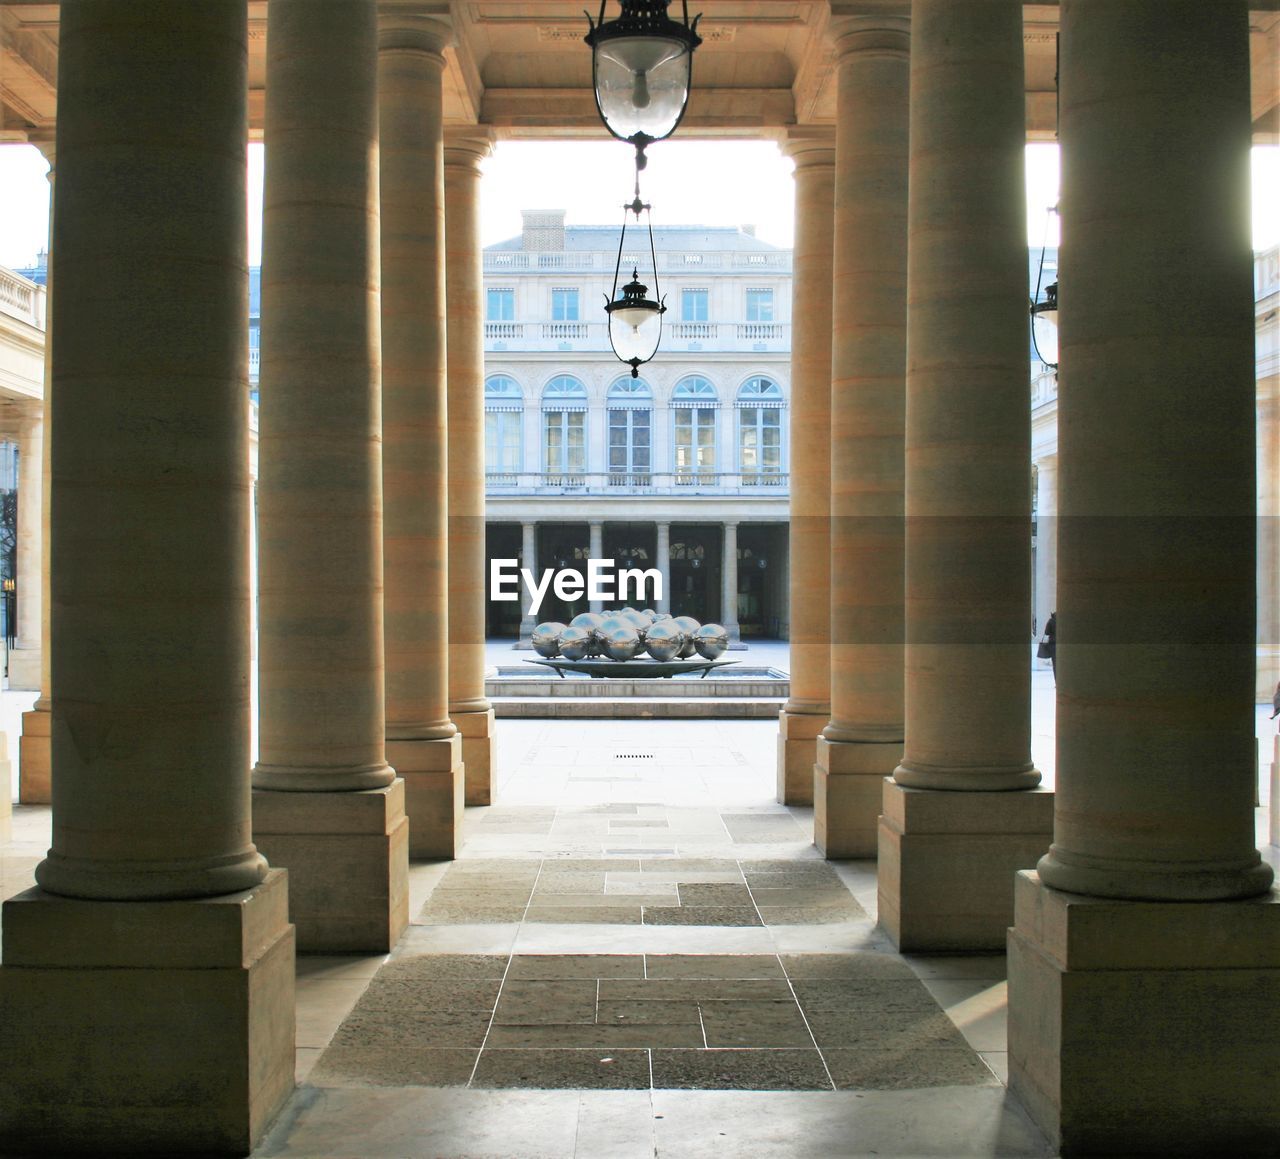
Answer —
(522, 68)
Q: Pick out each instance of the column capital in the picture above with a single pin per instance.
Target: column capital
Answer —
(465, 146)
(404, 28)
(868, 35)
(809, 145)
(48, 146)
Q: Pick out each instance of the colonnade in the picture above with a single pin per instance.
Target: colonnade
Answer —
(371, 661)
(925, 760)
(163, 1020)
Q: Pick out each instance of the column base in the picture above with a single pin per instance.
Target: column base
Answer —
(348, 860)
(948, 860)
(143, 1027)
(433, 788)
(797, 754)
(477, 754)
(847, 787)
(24, 670)
(35, 760)
(1146, 1028)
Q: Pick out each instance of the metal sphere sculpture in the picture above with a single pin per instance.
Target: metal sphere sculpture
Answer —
(664, 641)
(546, 639)
(575, 643)
(687, 625)
(711, 641)
(622, 644)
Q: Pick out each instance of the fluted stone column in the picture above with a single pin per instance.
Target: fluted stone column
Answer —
(529, 559)
(729, 583)
(469, 708)
(34, 749)
(955, 826)
(147, 984)
(862, 743)
(1046, 543)
(327, 805)
(1152, 915)
(663, 552)
(24, 658)
(808, 708)
(422, 742)
(595, 550)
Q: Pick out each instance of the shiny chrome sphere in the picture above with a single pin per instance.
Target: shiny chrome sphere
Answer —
(622, 644)
(546, 639)
(710, 640)
(610, 622)
(664, 640)
(687, 625)
(575, 643)
(588, 620)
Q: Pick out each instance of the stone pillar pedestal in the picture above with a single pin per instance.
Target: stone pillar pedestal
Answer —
(947, 863)
(1145, 1028)
(862, 743)
(422, 742)
(162, 1027)
(809, 707)
(469, 707)
(146, 991)
(326, 804)
(1144, 964)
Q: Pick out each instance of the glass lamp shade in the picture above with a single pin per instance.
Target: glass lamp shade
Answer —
(635, 329)
(642, 84)
(1044, 326)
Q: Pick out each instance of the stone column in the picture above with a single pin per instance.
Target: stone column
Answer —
(34, 749)
(809, 706)
(149, 978)
(1152, 915)
(729, 583)
(422, 742)
(595, 550)
(862, 743)
(529, 559)
(953, 830)
(663, 552)
(1268, 636)
(327, 805)
(24, 659)
(1046, 544)
(469, 708)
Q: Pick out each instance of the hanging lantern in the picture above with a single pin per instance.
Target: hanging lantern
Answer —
(1044, 310)
(641, 64)
(635, 320)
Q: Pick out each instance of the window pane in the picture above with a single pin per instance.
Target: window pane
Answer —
(759, 305)
(501, 305)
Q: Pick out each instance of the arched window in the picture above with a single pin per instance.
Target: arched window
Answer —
(503, 426)
(694, 402)
(760, 405)
(630, 406)
(564, 426)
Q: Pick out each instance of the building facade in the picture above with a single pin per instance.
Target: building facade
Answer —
(684, 468)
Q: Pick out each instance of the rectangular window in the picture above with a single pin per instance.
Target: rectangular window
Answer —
(629, 442)
(502, 442)
(759, 305)
(695, 443)
(693, 305)
(564, 441)
(501, 305)
(564, 305)
(759, 442)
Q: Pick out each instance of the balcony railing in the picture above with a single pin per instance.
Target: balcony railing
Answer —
(770, 484)
(727, 337)
(669, 262)
(20, 298)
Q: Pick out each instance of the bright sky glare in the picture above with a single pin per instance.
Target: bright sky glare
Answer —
(687, 182)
